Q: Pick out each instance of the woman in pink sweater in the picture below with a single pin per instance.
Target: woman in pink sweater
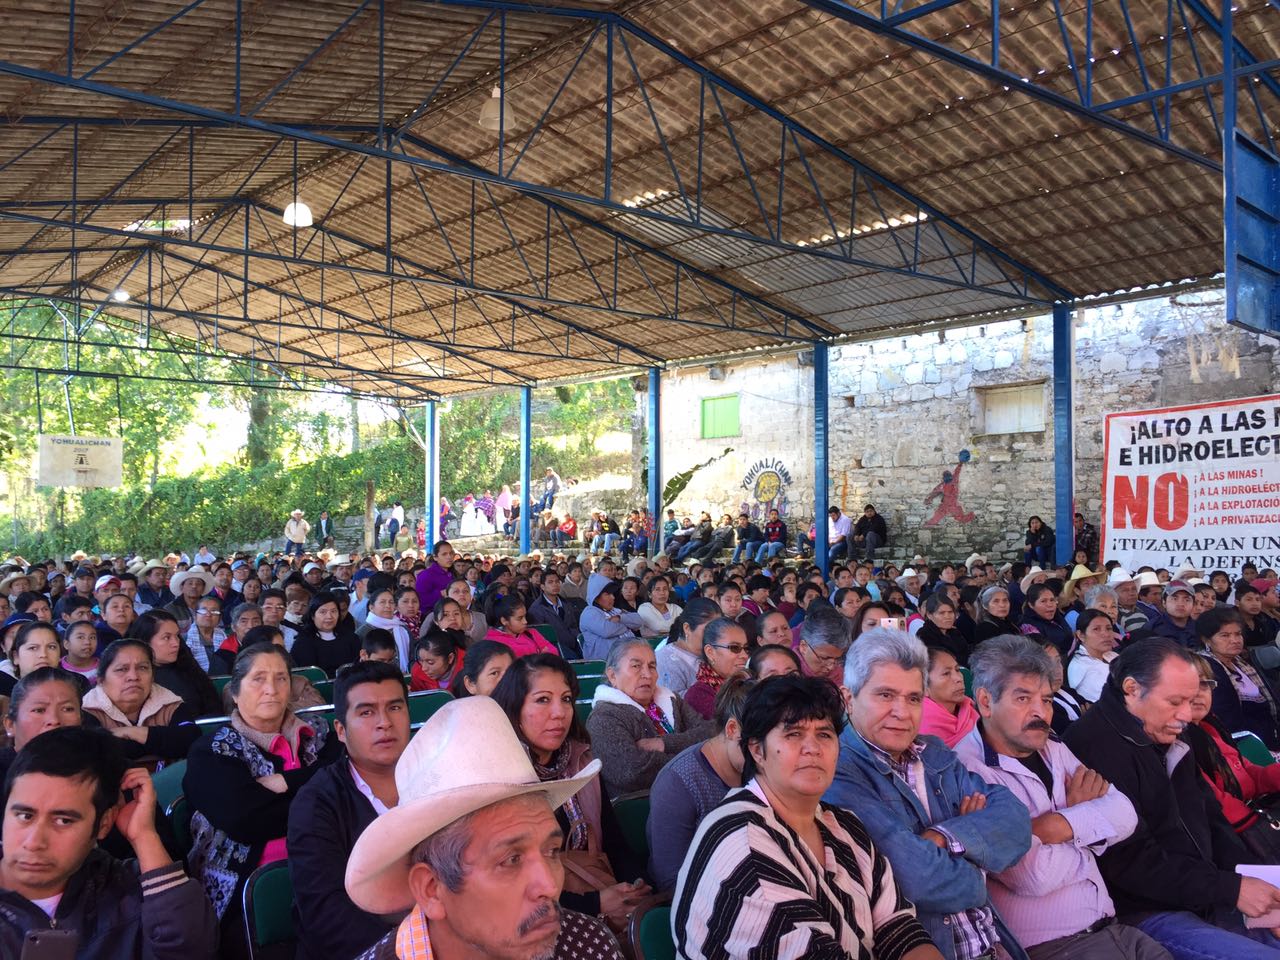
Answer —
(948, 714)
(510, 626)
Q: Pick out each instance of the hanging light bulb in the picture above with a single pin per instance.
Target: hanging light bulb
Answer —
(297, 214)
(120, 295)
(496, 106)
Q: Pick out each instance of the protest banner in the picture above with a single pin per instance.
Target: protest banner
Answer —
(1195, 486)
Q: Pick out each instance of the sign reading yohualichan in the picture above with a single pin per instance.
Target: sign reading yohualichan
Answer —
(80, 461)
(1195, 486)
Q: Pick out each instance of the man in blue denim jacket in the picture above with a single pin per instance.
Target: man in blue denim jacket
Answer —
(940, 826)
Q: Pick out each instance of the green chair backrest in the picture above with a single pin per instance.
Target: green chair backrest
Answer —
(549, 632)
(268, 907)
(583, 709)
(968, 681)
(209, 724)
(321, 714)
(168, 782)
(220, 683)
(325, 689)
(178, 813)
(655, 642)
(422, 705)
(1253, 749)
(653, 940)
(587, 687)
(588, 668)
(632, 811)
(314, 674)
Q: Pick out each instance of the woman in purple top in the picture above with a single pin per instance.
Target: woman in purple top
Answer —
(432, 582)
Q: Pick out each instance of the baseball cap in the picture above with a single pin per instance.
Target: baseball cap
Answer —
(1178, 586)
(106, 581)
(312, 566)
(238, 564)
(84, 572)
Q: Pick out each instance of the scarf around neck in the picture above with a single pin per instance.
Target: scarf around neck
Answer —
(557, 769)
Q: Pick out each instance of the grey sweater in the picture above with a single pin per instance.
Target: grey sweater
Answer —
(616, 725)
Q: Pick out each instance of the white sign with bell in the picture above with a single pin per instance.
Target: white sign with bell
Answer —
(80, 461)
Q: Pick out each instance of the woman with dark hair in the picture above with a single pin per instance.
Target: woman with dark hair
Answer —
(1041, 617)
(438, 660)
(772, 660)
(773, 628)
(939, 627)
(947, 713)
(322, 641)
(1243, 699)
(724, 655)
(383, 615)
(602, 622)
(35, 645)
(486, 663)
(242, 777)
(819, 886)
(1068, 706)
(630, 595)
(46, 698)
(848, 601)
(537, 694)
(679, 657)
(153, 723)
(175, 666)
(657, 613)
(1090, 665)
(510, 625)
(871, 615)
(1040, 540)
(694, 782)
(995, 614)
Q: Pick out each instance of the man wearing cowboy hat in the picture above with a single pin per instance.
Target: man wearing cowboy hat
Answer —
(188, 586)
(295, 533)
(472, 850)
(1132, 617)
(1150, 590)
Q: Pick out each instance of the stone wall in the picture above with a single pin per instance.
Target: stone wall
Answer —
(903, 408)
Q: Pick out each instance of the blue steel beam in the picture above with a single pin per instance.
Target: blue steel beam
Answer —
(526, 485)
(655, 456)
(431, 467)
(821, 472)
(1064, 347)
(1080, 63)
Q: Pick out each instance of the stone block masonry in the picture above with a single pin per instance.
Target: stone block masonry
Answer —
(902, 410)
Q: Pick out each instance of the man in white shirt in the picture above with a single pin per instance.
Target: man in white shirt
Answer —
(838, 530)
(1054, 899)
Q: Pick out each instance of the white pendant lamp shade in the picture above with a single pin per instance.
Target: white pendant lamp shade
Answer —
(497, 106)
(297, 214)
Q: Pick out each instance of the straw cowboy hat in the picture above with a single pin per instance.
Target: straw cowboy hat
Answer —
(9, 579)
(465, 758)
(326, 554)
(1079, 574)
(1025, 583)
(79, 555)
(195, 573)
(296, 514)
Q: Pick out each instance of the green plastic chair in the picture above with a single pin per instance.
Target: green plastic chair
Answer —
(650, 933)
(1253, 749)
(549, 632)
(168, 782)
(316, 715)
(587, 687)
(583, 709)
(588, 668)
(209, 724)
(178, 813)
(655, 642)
(314, 674)
(325, 688)
(968, 681)
(422, 705)
(268, 911)
(220, 684)
(632, 811)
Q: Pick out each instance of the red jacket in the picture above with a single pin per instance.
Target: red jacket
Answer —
(1254, 781)
(420, 680)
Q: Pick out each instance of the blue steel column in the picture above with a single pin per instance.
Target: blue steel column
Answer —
(821, 475)
(432, 471)
(1063, 429)
(526, 488)
(655, 455)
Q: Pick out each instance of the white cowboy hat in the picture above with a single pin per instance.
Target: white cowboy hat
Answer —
(1120, 575)
(465, 758)
(336, 562)
(974, 558)
(1147, 579)
(195, 573)
(297, 513)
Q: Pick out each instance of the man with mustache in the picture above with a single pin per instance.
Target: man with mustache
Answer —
(1054, 898)
(472, 850)
(939, 826)
(1174, 878)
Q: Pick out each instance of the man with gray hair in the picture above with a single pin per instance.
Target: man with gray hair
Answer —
(823, 642)
(1054, 898)
(940, 826)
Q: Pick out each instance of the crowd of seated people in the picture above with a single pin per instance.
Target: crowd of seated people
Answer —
(951, 760)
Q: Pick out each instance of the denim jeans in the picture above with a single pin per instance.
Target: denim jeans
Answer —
(689, 547)
(295, 547)
(803, 543)
(1038, 554)
(749, 547)
(607, 539)
(768, 551)
(870, 544)
(835, 550)
(1188, 937)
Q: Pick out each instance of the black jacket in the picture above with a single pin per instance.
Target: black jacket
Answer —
(325, 820)
(750, 534)
(185, 678)
(120, 914)
(874, 525)
(1183, 854)
(570, 610)
(311, 650)
(1238, 715)
(952, 641)
(989, 627)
